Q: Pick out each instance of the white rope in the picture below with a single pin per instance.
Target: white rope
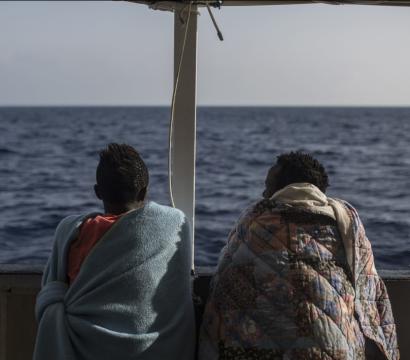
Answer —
(171, 124)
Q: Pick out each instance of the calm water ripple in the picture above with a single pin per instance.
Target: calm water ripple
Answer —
(48, 158)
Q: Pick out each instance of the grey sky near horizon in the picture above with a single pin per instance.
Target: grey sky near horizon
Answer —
(119, 53)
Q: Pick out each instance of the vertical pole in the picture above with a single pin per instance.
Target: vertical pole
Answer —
(184, 125)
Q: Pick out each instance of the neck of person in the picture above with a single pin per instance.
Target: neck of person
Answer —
(117, 209)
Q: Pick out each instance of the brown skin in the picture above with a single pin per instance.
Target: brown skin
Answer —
(117, 209)
(270, 182)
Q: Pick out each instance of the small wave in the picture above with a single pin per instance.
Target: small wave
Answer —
(31, 259)
(380, 221)
(6, 151)
(45, 174)
(349, 126)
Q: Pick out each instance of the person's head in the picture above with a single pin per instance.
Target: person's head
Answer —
(122, 176)
(295, 167)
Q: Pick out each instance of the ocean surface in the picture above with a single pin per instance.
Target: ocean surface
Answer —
(48, 158)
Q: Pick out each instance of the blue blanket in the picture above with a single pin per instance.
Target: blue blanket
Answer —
(131, 298)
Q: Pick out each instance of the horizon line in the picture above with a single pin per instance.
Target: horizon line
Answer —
(209, 105)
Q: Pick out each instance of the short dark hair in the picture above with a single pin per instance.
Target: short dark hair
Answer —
(121, 174)
(301, 167)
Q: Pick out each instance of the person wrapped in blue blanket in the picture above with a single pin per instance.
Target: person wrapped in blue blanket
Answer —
(117, 285)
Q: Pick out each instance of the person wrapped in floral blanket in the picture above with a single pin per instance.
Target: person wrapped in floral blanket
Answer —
(297, 279)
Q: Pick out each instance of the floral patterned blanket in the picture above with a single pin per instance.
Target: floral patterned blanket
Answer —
(284, 289)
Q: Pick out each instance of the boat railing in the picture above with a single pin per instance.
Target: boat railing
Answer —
(19, 285)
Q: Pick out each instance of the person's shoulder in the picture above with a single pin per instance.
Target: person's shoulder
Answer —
(248, 212)
(262, 210)
(69, 221)
(66, 227)
(265, 207)
(72, 221)
(165, 210)
(348, 205)
(354, 214)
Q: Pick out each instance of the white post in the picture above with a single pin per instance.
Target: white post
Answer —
(184, 126)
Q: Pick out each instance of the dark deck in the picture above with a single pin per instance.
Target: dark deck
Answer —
(19, 286)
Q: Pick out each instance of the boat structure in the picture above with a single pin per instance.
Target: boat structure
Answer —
(19, 284)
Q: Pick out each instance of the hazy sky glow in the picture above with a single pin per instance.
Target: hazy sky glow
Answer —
(118, 53)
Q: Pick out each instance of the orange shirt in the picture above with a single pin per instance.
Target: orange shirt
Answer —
(91, 232)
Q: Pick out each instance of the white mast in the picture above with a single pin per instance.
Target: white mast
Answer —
(183, 126)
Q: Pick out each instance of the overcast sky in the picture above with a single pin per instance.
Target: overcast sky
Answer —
(119, 53)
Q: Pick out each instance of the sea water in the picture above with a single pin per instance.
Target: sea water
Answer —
(48, 158)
